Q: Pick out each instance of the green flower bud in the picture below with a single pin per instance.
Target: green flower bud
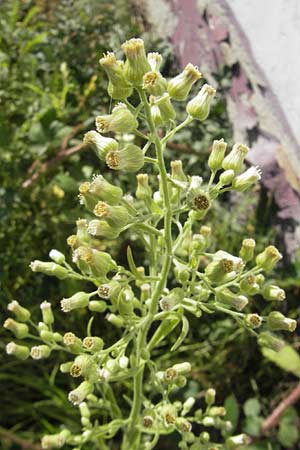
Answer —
(204, 437)
(109, 290)
(247, 249)
(130, 158)
(210, 396)
(223, 267)
(182, 368)
(81, 366)
(22, 314)
(180, 86)
(19, 351)
(20, 330)
(226, 177)
(268, 258)
(72, 342)
(116, 216)
(234, 160)
(155, 113)
(217, 154)
(148, 418)
(199, 106)
(177, 172)
(209, 421)
(52, 441)
(234, 442)
(169, 415)
(103, 190)
(49, 268)
(80, 393)
(57, 256)
(155, 60)
(260, 279)
(118, 86)
(99, 263)
(93, 343)
(154, 83)
(199, 243)
(66, 367)
(84, 410)
(120, 121)
(136, 64)
(217, 411)
(245, 180)
(188, 405)
(252, 320)
(277, 321)
(143, 190)
(97, 306)
(181, 381)
(78, 300)
(115, 320)
(170, 375)
(167, 111)
(272, 292)
(100, 228)
(145, 292)
(83, 237)
(47, 313)
(126, 302)
(47, 336)
(183, 425)
(40, 352)
(249, 286)
(269, 340)
(101, 145)
(228, 297)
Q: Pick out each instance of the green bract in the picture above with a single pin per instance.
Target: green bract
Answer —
(124, 390)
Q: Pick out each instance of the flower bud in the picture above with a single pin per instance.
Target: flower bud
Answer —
(234, 160)
(269, 340)
(199, 106)
(118, 86)
(103, 190)
(272, 292)
(148, 418)
(126, 302)
(217, 411)
(47, 313)
(100, 228)
(167, 111)
(234, 442)
(143, 190)
(180, 86)
(182, 368)
(20, 330)
(84, 410)
(66, 367)
(22, 314)
(73, 342)
(226, 177)
(19, 351)
(155, 113)
(109, 290)
(252, 320)
(277, 321)
(154, 83)
(268, 258)
(188, 405)
(228, 297)
(170, 375)
(40, 352)
(123, 362)
(78, 300)
(97, 306)
(121, 120)
(130, 158)
(217, 154)
(183, 425)
(116, 216)
(204, 437)
(260, 279)
(210, 396)
(177, 172)
(249, 286)
(136, 64)
(101, 145)
(80, 393)
(245, 180)
(223, 267)
(49, 268)
(57, 256)
(181, 381)
(52, 441)
(93, 343)
(155, 60)
(98, 263)
(247, 249)
(115, 320)
(81, 366)
(169, 415)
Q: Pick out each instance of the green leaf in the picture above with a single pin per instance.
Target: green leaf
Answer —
(252, 407)
(252, 425)
(288, 435)
(184, 331)
(232, 410)
(287, 359)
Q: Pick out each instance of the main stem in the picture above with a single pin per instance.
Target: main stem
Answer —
(133, 436)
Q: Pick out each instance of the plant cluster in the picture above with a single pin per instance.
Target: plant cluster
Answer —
(180, 278)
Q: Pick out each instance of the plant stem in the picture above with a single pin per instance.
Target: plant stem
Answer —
(133, 436)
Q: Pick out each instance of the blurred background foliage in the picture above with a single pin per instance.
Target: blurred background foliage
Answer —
(51, 89)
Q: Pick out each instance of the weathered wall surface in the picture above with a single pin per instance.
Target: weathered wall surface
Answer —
(273, 31)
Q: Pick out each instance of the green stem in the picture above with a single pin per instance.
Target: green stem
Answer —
(133, 436)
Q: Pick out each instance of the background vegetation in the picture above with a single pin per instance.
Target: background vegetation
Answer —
(51, 88)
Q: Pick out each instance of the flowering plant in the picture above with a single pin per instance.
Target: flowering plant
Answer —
(180, 277)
